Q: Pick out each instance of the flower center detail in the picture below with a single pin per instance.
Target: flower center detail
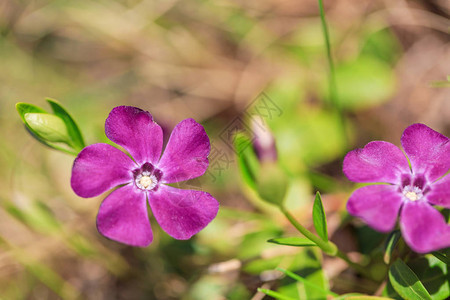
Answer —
(146, 181)
(412, 193)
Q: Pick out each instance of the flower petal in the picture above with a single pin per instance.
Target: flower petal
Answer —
(98, 168)
(377, 205)
(423, 227)
(186, 154)
(135, 130)
(122, 217)
(440, 192)
(377, 162)
(428, 151)
(182, 213)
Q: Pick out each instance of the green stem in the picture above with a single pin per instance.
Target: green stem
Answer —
(332, 86)
(332, 77)
(328, 247)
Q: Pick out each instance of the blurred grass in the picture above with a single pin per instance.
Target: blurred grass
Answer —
(207, 60)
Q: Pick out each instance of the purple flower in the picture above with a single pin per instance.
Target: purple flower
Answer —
(263, 142)
(123, 215)
(411, 190)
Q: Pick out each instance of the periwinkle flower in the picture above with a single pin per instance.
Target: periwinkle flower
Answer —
(411, 189)
(123, 214)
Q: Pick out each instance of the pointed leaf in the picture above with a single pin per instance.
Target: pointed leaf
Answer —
(355, 296)
(274, 294)
(306, 282)
(319, 218)
(433, 274)
(406, 283)
(442, 257)
(390, 244)
(292, 241)
(72, 127)
(24, 108)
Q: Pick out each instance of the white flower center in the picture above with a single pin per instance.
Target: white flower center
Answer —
(146, 181)
(412, 193)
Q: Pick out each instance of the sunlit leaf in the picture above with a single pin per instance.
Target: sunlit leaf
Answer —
(274, 294)
(72, 128)
(382, 44)
(292, 241)
(306, 282)
(364, 82)
(442, 257)
(37, 216)
(433, 274)
(406, 283)
(356, 296)
(319, 218)
(24, 108)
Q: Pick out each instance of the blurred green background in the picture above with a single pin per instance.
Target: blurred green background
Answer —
(208, 60)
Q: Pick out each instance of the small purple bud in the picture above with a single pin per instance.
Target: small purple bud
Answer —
(264, 141)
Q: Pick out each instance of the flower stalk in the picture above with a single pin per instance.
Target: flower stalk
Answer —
(332, 86)
(328, 247)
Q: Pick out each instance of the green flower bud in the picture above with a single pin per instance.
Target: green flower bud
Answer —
(272, 183)
(48, 127)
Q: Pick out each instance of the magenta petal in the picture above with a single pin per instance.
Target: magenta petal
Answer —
(135, 130)
(182, 213)
(377, 205)
(186, 154)
(377, 162)
(122, 217)
(98, 168)
(428, 151)
(440, 192)
(423, 227)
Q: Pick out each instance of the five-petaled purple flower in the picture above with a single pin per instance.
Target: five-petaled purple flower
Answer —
(411, 190)
(123, 215)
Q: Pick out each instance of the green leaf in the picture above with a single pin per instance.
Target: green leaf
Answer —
(442, 257)
(74, 132)
(293, 241)
(364, 82)
(406, 283)
(49, 127)
(433, 274)
(356, 296)
(24, 108)
(390, 244)
(319, 218)
(382, 44)
(254, 242)
(37, 216)
(305, 281)
(247, 161)
(274, 294)
(390, 292)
